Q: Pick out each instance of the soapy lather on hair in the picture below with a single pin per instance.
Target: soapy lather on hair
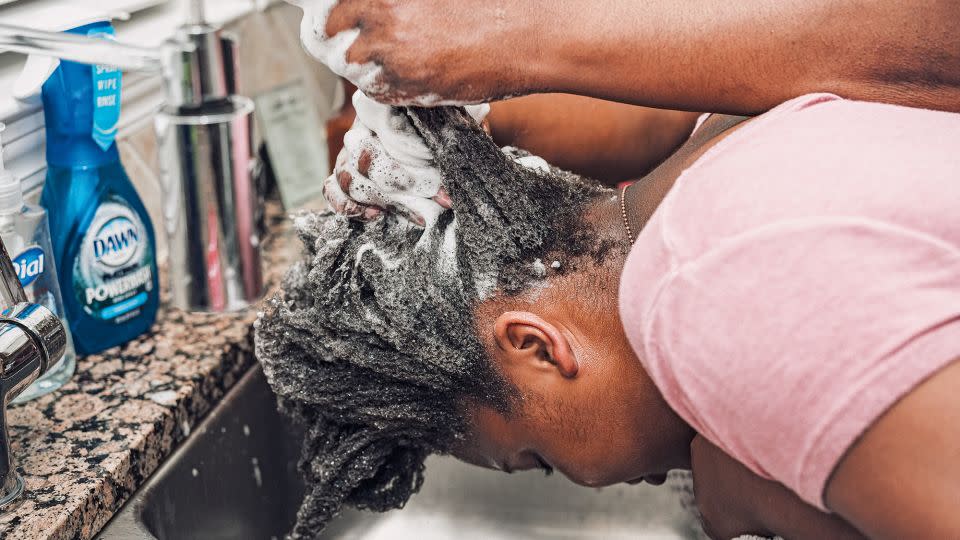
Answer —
(385, 164)
(372, 345)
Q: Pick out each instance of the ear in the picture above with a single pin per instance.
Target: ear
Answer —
(527, 339)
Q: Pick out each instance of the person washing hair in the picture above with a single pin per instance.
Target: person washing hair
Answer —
(788, 318)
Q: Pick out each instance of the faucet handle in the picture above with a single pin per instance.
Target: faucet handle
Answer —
(43, 327)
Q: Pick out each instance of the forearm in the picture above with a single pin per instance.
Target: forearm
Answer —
(734, 501)
(746, 57)
(785, 515)
(608, 141)
(915, 444)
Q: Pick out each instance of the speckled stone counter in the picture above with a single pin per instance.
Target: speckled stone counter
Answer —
(84, 449)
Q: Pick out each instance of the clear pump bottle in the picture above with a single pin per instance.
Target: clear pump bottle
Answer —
(26, 234)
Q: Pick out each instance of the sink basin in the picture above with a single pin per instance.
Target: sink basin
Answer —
(236, 478)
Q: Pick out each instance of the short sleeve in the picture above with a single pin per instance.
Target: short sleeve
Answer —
(782, 345)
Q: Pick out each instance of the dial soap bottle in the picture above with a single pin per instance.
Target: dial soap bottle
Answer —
(26, 235)
(103, 240)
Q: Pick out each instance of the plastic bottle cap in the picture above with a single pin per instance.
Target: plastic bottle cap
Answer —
(11, 194)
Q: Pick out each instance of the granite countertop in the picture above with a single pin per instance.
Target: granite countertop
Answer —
(84, 449)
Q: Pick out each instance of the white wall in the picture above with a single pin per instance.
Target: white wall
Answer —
(270, 56)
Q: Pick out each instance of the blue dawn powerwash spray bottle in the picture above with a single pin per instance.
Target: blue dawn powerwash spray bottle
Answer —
(102, 236)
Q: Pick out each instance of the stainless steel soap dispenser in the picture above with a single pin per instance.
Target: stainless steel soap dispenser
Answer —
(211, 206)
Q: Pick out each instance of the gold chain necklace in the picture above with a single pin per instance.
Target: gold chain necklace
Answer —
(623, 212)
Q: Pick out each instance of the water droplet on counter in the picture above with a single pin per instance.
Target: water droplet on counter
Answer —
(257, 477)
(166, 398)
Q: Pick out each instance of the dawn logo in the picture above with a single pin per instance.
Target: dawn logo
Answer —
(116, 241)
(28, 265)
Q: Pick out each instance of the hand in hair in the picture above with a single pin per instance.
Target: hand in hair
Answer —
(386, 166)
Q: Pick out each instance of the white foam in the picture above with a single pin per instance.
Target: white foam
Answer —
(393, 128)
(538, 268)
(486, 285)
(389, 262)
(401, 172)
(478, 112)
(448, 249)
(332, 50)
(536, 163)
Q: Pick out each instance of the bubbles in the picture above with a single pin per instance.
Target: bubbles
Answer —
(538, 268)
(400, 171)
(332, 51)
(534, 162)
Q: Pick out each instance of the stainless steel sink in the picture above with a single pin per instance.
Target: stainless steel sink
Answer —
(236, 478)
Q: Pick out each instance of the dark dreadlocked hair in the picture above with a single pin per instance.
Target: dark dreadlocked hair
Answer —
(372, 344)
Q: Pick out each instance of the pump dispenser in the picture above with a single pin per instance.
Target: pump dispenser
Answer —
(11, 194)
(26, 234)
(212, 205)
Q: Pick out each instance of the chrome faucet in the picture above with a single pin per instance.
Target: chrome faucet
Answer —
(32, 339)
(212, 205)
(84, 50)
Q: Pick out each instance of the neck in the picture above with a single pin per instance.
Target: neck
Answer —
(644, 197)
(640, 202)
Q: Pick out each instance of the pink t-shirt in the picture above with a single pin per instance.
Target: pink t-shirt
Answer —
(800, 278)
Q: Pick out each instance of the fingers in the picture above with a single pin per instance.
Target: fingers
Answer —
(365, 200)
(365, 192)
(364, 162)
(341, 203)
(328, 32)
(337, 199)
(410, 215)
(337, 190)
(375, 162)
(443, 198)
(372, 177)
(343, 15)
